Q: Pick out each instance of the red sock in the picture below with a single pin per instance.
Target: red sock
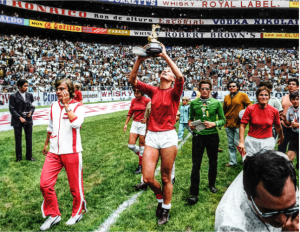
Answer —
(140, 160)
(159, 196)
(138, 153)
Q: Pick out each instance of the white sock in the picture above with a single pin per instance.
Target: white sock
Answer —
(166, 206)
(142, 148)
(133, 147)
(173, 172)
(160, 200)
(142, 181)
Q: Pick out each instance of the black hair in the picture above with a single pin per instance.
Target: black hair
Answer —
(266, 83)
(21, 82)
(293, 80)
(134, 89)
(235, 82)
(269, 168)
(294, 94)
(205, 82)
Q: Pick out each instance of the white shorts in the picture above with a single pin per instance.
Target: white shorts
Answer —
(254, 145)
(138, 128)
(163, 139)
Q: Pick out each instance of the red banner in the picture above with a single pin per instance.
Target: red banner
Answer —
(94, 30)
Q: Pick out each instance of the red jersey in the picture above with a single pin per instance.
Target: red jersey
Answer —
(78, 96)
(138, 107)
(164, 105)
(261, 120)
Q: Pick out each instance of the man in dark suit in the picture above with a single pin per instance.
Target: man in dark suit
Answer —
(21, 109)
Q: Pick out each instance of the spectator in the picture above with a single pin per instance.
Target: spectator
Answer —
(263, 197)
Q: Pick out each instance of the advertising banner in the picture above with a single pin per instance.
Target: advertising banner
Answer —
(118, 32)
(221, 35)
(133, 2)
(46, 99)
(171, 21)
(280, 35)
(55, 26)
(94, 30)
(11, 20)
(146, 33)
(224, 4)
(294, 4)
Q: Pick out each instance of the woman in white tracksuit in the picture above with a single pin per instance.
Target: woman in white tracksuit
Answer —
(63, 132)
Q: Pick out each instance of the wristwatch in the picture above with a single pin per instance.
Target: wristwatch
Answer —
(68, 109)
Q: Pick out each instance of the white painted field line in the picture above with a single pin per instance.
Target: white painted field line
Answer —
(104, 227)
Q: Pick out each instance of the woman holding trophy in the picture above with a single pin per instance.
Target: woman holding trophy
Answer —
(161, 139)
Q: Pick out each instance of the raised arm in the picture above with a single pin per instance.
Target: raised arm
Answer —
(132, 78)
(173, 66)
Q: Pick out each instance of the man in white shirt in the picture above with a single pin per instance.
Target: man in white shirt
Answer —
(263, 197)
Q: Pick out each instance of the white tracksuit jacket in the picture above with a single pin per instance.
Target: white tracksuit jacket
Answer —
(65, 134)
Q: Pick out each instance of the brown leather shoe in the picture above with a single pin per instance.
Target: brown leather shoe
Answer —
(229, 165)
(159, 210)
(220, 150)
(164, 217)
(141, 186)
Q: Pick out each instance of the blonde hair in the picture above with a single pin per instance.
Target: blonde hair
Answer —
(77, 85)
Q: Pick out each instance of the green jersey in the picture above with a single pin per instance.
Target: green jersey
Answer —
(207, 111)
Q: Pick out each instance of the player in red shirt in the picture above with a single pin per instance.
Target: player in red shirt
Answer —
(138, 127)
(261, 118)
(78, 94)
(161, 139)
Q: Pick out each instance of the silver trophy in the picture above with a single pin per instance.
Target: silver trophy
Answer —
(152, 48)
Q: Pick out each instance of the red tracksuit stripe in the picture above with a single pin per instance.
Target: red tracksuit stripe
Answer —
(74, 140)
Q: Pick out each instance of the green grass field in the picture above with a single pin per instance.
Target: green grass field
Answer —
(108, 181)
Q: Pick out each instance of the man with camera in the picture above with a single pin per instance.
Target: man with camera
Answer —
(21, 109)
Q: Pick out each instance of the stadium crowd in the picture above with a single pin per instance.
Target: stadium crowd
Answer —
(107, 67)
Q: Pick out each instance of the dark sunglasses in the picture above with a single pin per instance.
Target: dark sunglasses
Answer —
(232, 86)
(286, 212)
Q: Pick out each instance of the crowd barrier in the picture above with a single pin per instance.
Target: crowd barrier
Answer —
(47, 98)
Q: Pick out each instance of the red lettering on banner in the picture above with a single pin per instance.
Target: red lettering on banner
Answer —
(30, 6)
(242, 4)
(265, 3)
(204, 4)
(71, 11)
(40, 8)
(19, 4)
(258, 4)
(272, 4)
(48, 25)
(117, 94)
(226, 4)
(161, 20)
(54, 10)
(221, 3)
(213, 3)
(123, 93)
(250, 4)
(231, 5)
(192, 3)
(63, 11)
(65, 27)
(82, 14)
(130, 92)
